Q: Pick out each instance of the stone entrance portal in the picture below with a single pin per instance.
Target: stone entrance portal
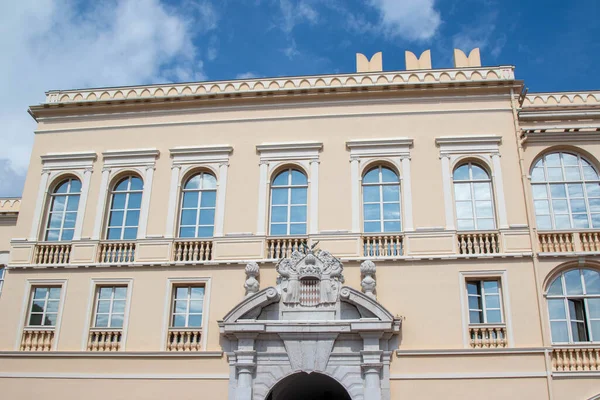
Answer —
(303, 386)
(309, 324)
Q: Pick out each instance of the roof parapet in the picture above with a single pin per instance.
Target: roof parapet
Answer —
(413, 63)
(462, 61)
(365, 65)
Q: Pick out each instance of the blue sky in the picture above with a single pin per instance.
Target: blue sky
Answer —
(60, 44)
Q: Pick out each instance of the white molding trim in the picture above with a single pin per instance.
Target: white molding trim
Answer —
(64, 161)
(469, 375)
(213, 157)
(94, 284)
(171, 282)
(29, 283)
(75, 375)
(491, 352)
(469, 144)
(129, 158)
(4, 258)
(110, 354)
(272, 156)
(363, 152)
(502, 275)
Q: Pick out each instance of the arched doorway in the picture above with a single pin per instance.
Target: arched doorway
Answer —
(303, 386)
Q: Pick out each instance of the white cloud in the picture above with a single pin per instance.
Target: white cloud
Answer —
(414, 20)
(246, 75)
(61, 44)
(481, 34)
(294, 13)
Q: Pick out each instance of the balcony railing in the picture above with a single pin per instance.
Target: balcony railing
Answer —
(192, 250)
(37, 339)
(103, 339)
(112, 252)
(571, 358)
(478, 242)
(568, 241)
(184, 339)
(383, 245)
(487, 336)
(52, 253)
(280, 247)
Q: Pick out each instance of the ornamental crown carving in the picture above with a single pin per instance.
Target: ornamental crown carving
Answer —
(310, 277)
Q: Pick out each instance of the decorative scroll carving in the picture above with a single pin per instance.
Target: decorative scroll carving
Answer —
(368, 283)
(310, 265)
(252, 285)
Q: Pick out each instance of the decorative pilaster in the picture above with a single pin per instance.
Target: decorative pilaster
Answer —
(355, 176)
(145, 210)
(372, 365)
(407, 194)
(85, 188)
(245, 365)
(102, 196)
(173, 192)
(262, 198)
(499, 189)
(368, 283)
(221, 192)
(314, 196)
(447, 186)
(252, 285)
(39, 205)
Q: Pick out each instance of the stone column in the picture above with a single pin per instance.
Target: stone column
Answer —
(173, 192)
(143, 222)
(85, 188)
(245, 366)
(102, 196)
(371, 365)
(39, 206)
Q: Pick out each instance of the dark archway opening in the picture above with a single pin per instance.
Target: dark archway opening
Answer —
(303, 386)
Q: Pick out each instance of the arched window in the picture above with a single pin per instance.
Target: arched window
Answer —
(381, 200)
(288, 203)
(574, 306)
(473, 198)
(566, 192)
(64, 202)
(198, 199)
(125, 204)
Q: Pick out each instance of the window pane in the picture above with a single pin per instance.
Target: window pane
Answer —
(73, 203)
(391, 193)
(572, 173)
(278, 229)
(592, 281)
(462, 191)
(595, 328)
(388, 175)
(490, 287)
(209, 199)
(371, 212)
(116, 321)
(560, 206)
(196, 306)
(282, 178)
(492, 301)
(181, 293)
(556, 309)
(135, 201)
(589, 173)
(569, 159)
(573, 282)
(578, 206)
(464, 209)
(195, 321)
(555, 174)
(136, 184)
(475, 317)
(461, 173)
(103, 306)
(537, 175)
(370, 194)
(54, 293)
(371, 227)
(479, 173)
(52, 306)
(299, 196)
(579, 332)
(187, 232)
(38, 306)
(298, 214)
(465, 224)
(129, 233)
(556, 287)
(298, 229)
(194, 182)
(205, 231)
(118, 202)
(575, 189)
(576, 309)
(391, 211)
(542, 207)
(35, 320)
(539, 191)
(69, 220)
(102, 320)
(197, 293)
(562, 222)
(190, 199)
(580, 221)
(207, 217)
(594, 205)
(209, 182)
(494, 316)
(475, 303)
(114, 234)
(132, 218)
(59, 203)
(56, 220)
(372, 176)
(52, 235)
(120, 292)
(485, 224)
(279, 213)
(560, 332)
(484, 209)
(482, 191)
(188, 217)
(119, 307)
(179, 321)
(298, 178)
(116, 218)
(594, 308)
(279, 196)
(181, 306)
(543, 223)
(592, 189)
(473, 288)
(391, 226)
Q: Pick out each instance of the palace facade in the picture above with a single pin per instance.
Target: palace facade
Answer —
(416, 234)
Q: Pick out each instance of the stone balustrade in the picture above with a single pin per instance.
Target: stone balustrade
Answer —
(52, 253)
(192, 250)
(116, 252)
(478, 243)
(487, 336)
(34, 339)
(567, 359)
(590, 241)
(103, 339)
(184, 339)
(282, 247)
(383, 245)
(556, 242)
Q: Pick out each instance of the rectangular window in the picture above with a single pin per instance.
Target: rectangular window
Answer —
(110, 306)
(44, 306)
(187, 306)
(485, 302)
(1, 279)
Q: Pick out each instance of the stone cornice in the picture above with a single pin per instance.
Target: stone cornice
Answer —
(561, 99)
(285, 85)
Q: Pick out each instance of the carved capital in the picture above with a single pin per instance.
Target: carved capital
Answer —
(106, 169)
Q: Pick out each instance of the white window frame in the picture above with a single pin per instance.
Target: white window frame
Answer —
(2, 273)
(367, 153)
(473, 201)
(54, 166)
(273, 156)
(168, 301)
(119, 163)
(484, 310)
(565, 297)
(288, 187)
(502, 277)
(188, 299)
(24, 321)
(213, 158)
(380, 185)
(125, 210)
(198, 207)
(95, 283)
(52, 196)
(486, 148)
